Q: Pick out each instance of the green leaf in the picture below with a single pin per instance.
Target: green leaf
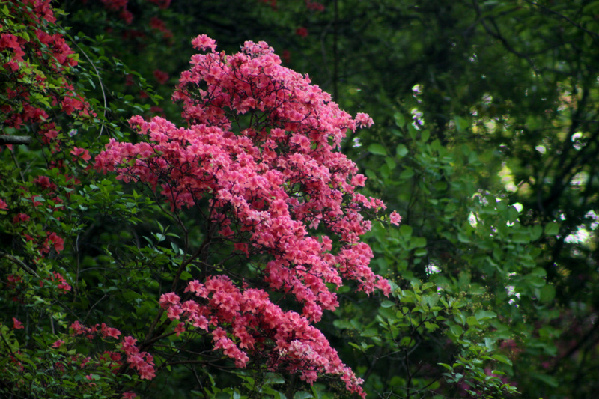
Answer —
(387, 304)
(552, 229)
(377, 149)
(401, 151)
(484, 314)
(547, 293)
(547, 379)
(502, 359)
(416, 242)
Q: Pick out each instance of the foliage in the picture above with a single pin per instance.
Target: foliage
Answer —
(485, 142)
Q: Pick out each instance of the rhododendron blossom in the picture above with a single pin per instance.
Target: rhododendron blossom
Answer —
(16, 324)
(261, 150)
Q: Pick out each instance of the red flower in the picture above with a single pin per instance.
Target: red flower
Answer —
(82, 153)
(56, 240)
(16, 324)
(161, 76)
(21, 217)
(301, 31)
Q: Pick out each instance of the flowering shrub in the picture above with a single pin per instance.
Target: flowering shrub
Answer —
(42, 106)
(260, 147)
(257, 165)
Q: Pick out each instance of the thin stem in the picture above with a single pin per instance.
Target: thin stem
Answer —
(19, 263)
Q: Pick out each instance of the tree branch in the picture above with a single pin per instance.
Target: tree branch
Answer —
(19, 263)
(15, 139)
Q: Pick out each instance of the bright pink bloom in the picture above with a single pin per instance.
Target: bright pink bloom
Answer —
(109, 332)
(203, 42)
(395, 218)
(78, 328)
(16, 324)
(58, 343)
(363, 120)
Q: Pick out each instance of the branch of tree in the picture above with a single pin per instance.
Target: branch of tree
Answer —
(15, 139)
(19, 263)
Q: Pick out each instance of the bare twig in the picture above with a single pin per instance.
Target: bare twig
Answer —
(99, 80)
(19, 263)
(15, 140)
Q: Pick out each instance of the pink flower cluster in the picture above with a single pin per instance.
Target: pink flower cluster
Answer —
(90, 332)
(62, 283)
(143, 362)
(261, 147)
(243, 323)
(46, 54)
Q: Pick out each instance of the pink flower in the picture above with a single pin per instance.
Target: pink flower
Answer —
(129, 344)
(81, 152)
(363, 120)
(203, 42)
(3, 205)
(56, 240)
(109, 331)
(180, 328)
(395, 218)
(168, 299)
(78, 328)
(129, 395)
(16, 324)
(58, 343)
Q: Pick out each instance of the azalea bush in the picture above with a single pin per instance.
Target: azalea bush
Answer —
(257, 164)
(265, 220)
